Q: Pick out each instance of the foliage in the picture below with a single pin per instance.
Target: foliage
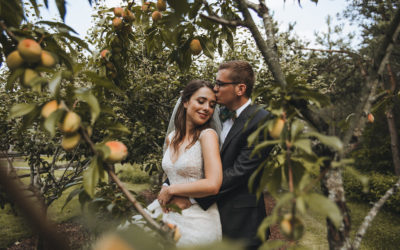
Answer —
(373, 152)
(377, 186)
(133, 174)
(68, 82)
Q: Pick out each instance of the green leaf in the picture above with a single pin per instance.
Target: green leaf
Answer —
(51, 122)
(324, 206)
(304, 144)
(61, 8)
(263, 145)
(77, 40)
(103, 149)
(87, 96)
(255, 135)
(284, 199)
(296, 128)
(71, 195)
(208, 46)
(180, 7)
(265, 178)
(301, 205)
(102, 81)
(13, 77)
(253, 176)
(28, 119)
(119, 127)
(35, 6)
(54, 84)
(60, 26)
(21, 109)
(12, 12)
(265, 224)
(53, 46)
(342, 162)
(91, 177)
(83, 198)
(318, 98)
(229, 39)
(195, 9)
(330, 141)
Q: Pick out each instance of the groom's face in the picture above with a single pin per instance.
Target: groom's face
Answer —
(225, 88)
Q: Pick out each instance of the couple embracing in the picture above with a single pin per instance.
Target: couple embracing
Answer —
(208, 168)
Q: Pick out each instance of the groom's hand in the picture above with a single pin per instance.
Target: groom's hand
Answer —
(181, 202)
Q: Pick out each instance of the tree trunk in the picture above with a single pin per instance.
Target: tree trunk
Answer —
(394, 138)
(332, 187)
(394, 142)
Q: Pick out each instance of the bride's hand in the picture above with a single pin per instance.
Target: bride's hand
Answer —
(164, 196)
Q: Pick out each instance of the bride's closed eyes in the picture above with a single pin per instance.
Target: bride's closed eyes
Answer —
(202, 100)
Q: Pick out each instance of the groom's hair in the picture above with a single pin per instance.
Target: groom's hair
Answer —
(240, 71)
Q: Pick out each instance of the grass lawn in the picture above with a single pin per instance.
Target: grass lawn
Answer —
(384, 233)
(15, 228)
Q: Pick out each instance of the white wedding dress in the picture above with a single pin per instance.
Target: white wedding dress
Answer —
(195, 225)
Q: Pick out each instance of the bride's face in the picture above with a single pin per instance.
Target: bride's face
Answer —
(200, 106)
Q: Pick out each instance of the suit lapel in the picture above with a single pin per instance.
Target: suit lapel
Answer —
(237, 127)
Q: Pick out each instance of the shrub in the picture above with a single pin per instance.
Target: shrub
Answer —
(378, 185)
(133, 174)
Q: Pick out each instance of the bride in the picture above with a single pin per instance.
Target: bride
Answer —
(193, 166)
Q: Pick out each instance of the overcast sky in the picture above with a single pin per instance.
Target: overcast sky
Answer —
(309, 18)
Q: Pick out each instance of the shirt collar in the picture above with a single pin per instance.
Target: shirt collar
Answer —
(240, 110)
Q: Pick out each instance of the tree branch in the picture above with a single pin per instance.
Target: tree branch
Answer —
(381, 59)
(387, 45)
(392, 125)
(253, 6)
(9, 33)
(32, 211)
(215, 18)
(223, 21)
(350, 53)
(268, 49)
(372, 213)
(161, 229)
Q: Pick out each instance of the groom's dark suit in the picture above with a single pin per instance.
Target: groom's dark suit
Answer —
(240, 211)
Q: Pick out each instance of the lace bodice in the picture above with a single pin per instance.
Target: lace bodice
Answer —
(188, 167)
(197, 226)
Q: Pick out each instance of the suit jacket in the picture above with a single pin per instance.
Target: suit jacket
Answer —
(240, 211)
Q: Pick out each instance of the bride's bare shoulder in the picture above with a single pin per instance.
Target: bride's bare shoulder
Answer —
(208, 134)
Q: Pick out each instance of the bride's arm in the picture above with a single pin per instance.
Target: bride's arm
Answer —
(212, 170)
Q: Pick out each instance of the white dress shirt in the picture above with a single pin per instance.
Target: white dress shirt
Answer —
(227, 125)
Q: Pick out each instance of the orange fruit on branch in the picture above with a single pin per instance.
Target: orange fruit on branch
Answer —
(156, 16)
(118, 151)
(14, 60)
(30, 50)
(195, 47)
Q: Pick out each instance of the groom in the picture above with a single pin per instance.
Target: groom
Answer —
(240, 211)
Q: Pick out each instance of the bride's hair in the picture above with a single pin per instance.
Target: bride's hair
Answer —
(180, 117)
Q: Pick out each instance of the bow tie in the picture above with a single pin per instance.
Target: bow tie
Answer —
(225, 114)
